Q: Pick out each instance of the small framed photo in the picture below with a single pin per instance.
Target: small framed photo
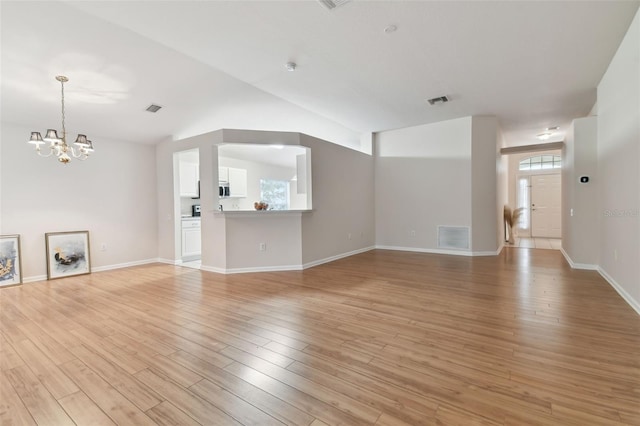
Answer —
(67, 254)
(10, 260)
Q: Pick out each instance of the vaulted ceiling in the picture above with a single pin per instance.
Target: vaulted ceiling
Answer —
(532, 64)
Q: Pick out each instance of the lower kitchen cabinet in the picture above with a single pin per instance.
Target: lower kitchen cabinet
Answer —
(191, 240)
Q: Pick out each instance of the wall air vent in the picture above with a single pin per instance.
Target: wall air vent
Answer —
(153, 108)
(453, 237)
(438, 100)
(332, 4)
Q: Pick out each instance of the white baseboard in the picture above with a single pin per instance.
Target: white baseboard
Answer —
(169, 261)
(34, 278)
(124, 265)
(282, 268)
(252, 269)
(440, 251)
(336, 257)
(574, 265)
(621, 291)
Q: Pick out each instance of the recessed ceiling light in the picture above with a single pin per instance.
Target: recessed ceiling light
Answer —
(290, 66)
(390, 28)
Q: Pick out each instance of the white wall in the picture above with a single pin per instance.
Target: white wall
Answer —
(484, 185)
(422, 180)
(246, 107)
(280, 232)
(580, 236)
(437, 174)
(110, 195)
(343, 199)
(619, 166)
(502, 176)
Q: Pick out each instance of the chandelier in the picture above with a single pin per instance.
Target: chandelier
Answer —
(58, 145)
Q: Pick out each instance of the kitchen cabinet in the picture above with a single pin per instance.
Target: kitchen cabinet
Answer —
(189, 177)
(191, 239)
(223, 174)
(237, 182)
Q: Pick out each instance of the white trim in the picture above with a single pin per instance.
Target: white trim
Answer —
(102, 268)
(34, 279)
(439, 251)
(621, 291)
(169, 261)
(264, 269)
(336, 257)
(124, 265)
(213, 269)
(283, 268)
(574, 265)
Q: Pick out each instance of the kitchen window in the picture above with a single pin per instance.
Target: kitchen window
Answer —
(275, 193)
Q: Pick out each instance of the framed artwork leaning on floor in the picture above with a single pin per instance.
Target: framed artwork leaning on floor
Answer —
(67, 254)
(10, 260)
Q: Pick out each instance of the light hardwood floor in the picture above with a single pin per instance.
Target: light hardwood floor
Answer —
(384, 338)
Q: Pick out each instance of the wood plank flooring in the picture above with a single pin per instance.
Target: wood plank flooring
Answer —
(382, 338)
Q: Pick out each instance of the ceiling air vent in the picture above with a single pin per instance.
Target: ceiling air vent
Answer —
(332, 4)
(438, 100)
(153, 108)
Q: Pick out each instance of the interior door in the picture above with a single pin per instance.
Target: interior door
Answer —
(545, 206)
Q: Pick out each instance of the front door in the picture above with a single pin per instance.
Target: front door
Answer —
(545, 206)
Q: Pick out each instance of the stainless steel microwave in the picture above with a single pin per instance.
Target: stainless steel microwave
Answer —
(223, 190)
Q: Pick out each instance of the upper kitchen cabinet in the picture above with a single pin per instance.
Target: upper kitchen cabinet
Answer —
(189, 174)
(237, 182)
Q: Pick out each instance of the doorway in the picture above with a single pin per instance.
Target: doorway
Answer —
(187, 205)
(546, 199)
(539, 196)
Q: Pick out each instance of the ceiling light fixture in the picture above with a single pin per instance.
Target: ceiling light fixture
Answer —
(290, 66)
(544, 136)
(58, 145)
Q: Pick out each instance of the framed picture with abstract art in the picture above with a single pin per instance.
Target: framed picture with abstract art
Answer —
(10, 260)
(67, 254)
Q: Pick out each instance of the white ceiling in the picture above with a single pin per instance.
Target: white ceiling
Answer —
(532, 64)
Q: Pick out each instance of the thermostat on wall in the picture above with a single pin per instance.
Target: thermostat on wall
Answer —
(584, 179)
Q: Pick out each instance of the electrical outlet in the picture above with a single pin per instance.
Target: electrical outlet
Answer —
(103, 247)
(571, 212)
(262, 247)
(412, 233)
(349, 236)
(615, 254)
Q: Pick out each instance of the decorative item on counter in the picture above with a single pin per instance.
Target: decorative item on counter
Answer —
(261, 205)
